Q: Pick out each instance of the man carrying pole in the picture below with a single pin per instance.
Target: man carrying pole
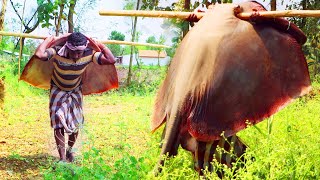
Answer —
(71, 71)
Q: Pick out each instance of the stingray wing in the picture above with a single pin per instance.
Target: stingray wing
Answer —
(165, 95)
(98, 79)
(37, 72)
(189, 68)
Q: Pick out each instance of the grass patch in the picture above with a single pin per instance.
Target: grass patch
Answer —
(117, 144)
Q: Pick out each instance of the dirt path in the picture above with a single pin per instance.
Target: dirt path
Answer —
(26, 140)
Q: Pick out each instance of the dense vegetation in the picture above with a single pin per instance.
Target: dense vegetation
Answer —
(116, 142)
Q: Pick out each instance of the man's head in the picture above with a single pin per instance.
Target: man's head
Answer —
(76, 44)
(77, 39)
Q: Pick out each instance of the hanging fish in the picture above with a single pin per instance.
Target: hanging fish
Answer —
(228, 73)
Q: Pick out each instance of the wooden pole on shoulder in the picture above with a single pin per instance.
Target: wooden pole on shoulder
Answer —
(153, 14)
(285, 13)
(184, 15)
(133, 43)
(3, 33)
(25, 35)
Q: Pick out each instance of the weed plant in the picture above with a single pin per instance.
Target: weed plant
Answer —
(117, 143)
(145, 80)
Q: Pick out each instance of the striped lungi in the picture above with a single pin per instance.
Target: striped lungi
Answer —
(66, 109)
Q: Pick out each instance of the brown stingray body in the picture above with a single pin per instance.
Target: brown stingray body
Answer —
(95, 79)
(229, 72)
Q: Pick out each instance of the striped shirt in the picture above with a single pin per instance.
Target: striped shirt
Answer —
(66, 72)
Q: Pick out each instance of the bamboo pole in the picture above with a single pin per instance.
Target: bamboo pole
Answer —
(154, 14)
(285, 13)
(133, 43)
(25, 35)
(3, 33)
(185, 15)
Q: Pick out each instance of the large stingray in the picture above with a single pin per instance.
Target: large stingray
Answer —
(226, 73)
(95, 79)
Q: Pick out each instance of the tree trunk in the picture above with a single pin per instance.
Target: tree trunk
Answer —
(2, 13)
(185, 27)
(273, 5)
(304, 4)
(132, 47)
(20, 55)
(58, 21)
(21, 39)
(70, 16)
(2, 89)
(159, 58)
(137, 60)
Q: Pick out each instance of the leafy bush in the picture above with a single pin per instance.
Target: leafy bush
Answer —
(91, 166)
(145, 80)
(284, 147)
(9, 72)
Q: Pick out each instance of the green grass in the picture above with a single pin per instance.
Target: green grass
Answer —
(116, 142)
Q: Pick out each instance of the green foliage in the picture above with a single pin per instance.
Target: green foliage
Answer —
(287, 146)
(127, 50)
(92, 166)
(9, 71)
(146, 80)
(154, 40)
(11, 65)
(11, 60)
(119, 145)
(177, 26)
(151, 39)
(116, 49)
(6, 43)
(115, 35)
(48, 11)
(283, 153)
(129, 5)
(16, 156)
(29, 47)
(316, 78)
(310, 26)
(45, 12)
(149, 4)
(129, 167)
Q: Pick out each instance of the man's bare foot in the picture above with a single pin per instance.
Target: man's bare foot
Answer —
(70, 156)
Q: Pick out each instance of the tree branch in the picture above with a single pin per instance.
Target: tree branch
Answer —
(17, 13)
